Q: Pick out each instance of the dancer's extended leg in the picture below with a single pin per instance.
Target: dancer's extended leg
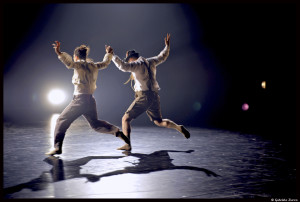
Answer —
(166, 123)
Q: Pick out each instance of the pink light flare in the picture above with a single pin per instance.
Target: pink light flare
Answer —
(245, 107)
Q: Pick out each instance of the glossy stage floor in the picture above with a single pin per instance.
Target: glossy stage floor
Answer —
(162, 164)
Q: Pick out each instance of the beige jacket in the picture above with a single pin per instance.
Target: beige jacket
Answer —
(139, 69)
(85, 72)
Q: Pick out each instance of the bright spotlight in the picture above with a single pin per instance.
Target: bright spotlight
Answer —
(264, 84)
(56, 96)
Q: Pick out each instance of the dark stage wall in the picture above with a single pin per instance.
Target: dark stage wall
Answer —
(220, 54)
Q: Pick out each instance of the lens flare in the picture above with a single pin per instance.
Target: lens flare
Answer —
(197, 106)
(245, 107)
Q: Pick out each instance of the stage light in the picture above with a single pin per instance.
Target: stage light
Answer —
(245, 107)
(263, 84)
(56, 96)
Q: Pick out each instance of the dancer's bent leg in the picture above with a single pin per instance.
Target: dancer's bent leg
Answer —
(65, 119)
(102, 126)
(166, 123)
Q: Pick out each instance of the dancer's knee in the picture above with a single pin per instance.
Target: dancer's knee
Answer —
(126, 118)
(158, 123)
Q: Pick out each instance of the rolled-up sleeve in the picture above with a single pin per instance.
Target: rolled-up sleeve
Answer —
(106, 61)
(66, 59)
(162, 56)
(125, 66)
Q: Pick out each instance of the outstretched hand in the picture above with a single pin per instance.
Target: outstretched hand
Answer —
(167, 40)
(56, 47)
(109, 49)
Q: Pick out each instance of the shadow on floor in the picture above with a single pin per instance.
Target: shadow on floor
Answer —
(64, 170)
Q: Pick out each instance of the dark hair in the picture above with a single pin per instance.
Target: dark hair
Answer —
(131, 54)
(82, 52)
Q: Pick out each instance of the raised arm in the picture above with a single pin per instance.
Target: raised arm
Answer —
(125, 66)
(62, 56)
(163, 55)
(56, 47)
(107, 58)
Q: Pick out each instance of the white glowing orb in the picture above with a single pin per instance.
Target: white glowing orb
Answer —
(264, 84)
(56, 96)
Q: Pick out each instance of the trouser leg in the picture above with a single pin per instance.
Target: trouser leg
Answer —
(98, 125)
(136, 108)
(65, 119)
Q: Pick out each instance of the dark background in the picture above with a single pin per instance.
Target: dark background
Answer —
(220, 54)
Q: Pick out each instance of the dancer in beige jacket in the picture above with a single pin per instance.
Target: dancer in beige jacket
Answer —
(143, 72)
(83, 103)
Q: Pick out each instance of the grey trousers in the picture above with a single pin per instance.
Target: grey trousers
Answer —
(83, 104)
